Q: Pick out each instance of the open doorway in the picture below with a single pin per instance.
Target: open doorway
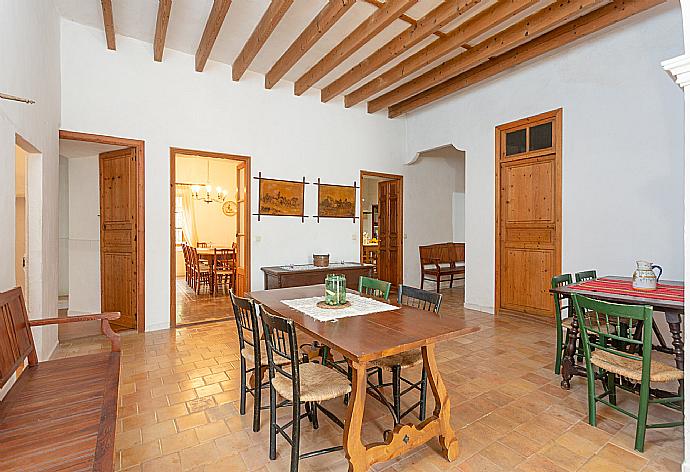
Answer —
(101, 238)
(381, 224)
(209, 234)
(21, 239)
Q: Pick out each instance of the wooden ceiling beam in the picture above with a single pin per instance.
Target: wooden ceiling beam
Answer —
(458, 38)
(437, 18)
(406, 18)
(274, 13)
(108, 23)
(327, 17)
(369, 28)
(597, 20)
(162, 20)
(219, 10)
(520, 33)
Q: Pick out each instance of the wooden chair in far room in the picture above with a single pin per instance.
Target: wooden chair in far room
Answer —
(422, 300)
(562, 306)
(308, 383)
(201, 271)
(626, 353)
(251, 355)
(224, 268)
(374, 287)
(202, 245)
(585, 275)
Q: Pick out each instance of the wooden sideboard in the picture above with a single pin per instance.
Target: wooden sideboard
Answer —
(308, 274)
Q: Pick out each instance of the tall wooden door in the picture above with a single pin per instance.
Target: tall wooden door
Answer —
(528, 213)
(390, 231)
(241, 236)
(118, 200)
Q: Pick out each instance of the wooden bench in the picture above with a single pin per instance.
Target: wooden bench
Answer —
(59, 414)
(442, 263)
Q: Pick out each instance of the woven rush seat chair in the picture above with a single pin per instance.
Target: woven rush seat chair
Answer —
(306, 384)
(423, 300)
(612, 349)
(562, 305)
(251, 355)
(374, 288)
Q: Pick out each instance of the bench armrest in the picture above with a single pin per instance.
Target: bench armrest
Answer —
(104, 318)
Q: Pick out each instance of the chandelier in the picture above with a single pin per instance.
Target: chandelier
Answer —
(205, 193)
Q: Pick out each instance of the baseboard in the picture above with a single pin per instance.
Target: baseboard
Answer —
(483, 309)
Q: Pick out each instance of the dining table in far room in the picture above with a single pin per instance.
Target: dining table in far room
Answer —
(669, 298)
(364, 338)
(208, 253)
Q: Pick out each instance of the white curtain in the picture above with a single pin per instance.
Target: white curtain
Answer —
(189, 216)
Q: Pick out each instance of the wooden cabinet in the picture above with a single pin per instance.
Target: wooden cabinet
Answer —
(308, 274)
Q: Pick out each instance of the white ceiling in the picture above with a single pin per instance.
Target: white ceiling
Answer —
(73, 149)
(137, 19)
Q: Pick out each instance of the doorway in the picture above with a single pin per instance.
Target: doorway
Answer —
(381, 224)
(101, 239)
(210, 251)
(528, 214)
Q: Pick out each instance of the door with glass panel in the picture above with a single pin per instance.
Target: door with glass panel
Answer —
(241, 236)
(528, 213)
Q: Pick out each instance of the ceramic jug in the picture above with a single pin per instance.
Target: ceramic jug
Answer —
(644, 278)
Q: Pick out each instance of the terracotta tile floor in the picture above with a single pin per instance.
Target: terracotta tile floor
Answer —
(192, 308)
(179, 408)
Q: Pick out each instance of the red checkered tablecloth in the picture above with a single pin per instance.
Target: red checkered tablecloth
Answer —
(663, 291)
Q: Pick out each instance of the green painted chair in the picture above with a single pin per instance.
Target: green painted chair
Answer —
(562, 304)
(374, 288)
(585, 275)
(612, 349)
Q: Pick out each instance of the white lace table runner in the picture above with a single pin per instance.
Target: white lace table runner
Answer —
(358, 306)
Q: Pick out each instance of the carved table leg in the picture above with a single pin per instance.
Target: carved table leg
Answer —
(568, 364)
(447, 438)
(355, 452)
(673, 319)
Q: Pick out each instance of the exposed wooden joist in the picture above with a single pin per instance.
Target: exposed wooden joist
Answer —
(479, 24)
(274, 13)
(215, 20)
(108, 23)
(424, 27)
(327, 17)
(369, 28)
(406, 18)
(522, 32)
(595, 21)
(162, 20)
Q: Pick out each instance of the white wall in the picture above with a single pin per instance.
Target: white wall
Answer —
(84, 236)
(622, 148)
(63, 228)
(458, 217)
(168, 104)
(30, 67)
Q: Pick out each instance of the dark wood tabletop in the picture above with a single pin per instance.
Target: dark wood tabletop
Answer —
(661, 305)
(367, 337)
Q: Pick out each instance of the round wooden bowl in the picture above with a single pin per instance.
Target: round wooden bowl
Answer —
(325, 306)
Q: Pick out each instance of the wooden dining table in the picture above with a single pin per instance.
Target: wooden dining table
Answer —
(672, 307)
(208, 253)
(362, 339)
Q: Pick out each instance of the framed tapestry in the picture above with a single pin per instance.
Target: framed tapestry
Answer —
(281, 197)
(336, 201)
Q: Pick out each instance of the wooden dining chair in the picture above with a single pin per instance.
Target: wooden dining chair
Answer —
(306, 384)
(224, 268)
(422, 300)
(374, 287)
(202, 272)
(202, 245)
(563, 312)
(585, 275)
(251, 356)
(616, 352)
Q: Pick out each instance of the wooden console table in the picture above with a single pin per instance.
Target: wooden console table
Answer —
(308, 274)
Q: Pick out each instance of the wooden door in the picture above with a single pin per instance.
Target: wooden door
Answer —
(118, 200)
(241, 236)
(528, 213)
(390, 231)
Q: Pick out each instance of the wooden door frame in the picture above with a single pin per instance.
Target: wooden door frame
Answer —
(139, 147)
(398, 177)
(247, 218)
(557, 117)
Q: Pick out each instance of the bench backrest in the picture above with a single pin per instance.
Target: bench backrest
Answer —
(442, 253)
(16, 340)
